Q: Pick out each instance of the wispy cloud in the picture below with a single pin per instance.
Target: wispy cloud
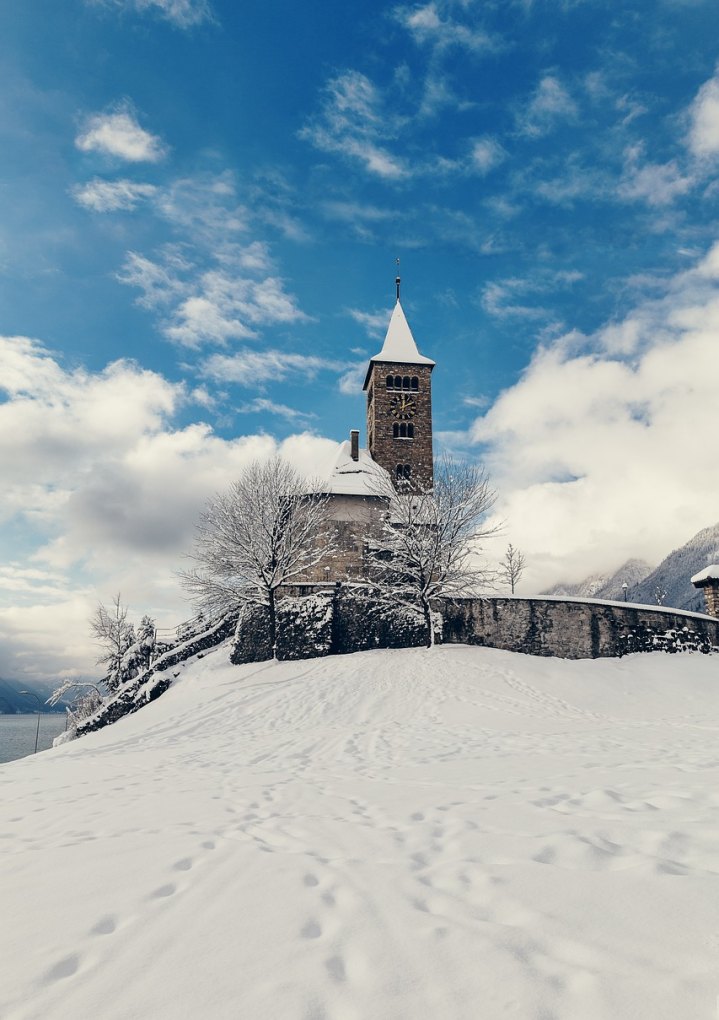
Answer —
(182, 13)
(374, 323)
(117, 133)
(507, 298)
(440, 30)
(653, 183)
(486, 154)
(261, 405)
(256, 368)
(354, 122)
(227, 302)
(112, 196)
(550, 103)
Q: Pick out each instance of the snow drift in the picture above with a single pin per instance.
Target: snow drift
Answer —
(454, 833)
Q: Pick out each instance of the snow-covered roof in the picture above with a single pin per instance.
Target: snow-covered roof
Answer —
(362, 477)
(710, 573)
(399, 344)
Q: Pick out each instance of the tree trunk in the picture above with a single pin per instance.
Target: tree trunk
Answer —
(428, 622)
(273, 621)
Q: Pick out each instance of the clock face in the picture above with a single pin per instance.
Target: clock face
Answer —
(403, 407)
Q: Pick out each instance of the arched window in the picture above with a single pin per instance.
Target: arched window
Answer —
(398, 382)
(403, 430)
(395, 430)
(390, 382)
(405, 383)
(410, 431)
(403, 472)
(415, 382)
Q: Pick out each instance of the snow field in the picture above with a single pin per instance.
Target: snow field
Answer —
(455, 833)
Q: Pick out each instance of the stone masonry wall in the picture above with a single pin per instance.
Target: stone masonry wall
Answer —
(574, 630)
(387, 450)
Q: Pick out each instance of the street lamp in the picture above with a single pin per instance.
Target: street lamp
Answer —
(31, 694)
(624, 589)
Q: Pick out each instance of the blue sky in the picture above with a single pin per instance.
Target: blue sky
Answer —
(201, 204)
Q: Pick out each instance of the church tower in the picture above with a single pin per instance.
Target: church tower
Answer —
(399, 406)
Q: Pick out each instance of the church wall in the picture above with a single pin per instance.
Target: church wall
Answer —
(353, 519)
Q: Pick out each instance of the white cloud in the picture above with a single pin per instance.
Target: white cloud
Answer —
(599, 451)
(353, 122)
(501, 297)
(217, 305)
(118, 134)
(428, 27)
(263, 406)
(653, 183)
(111, 491)
(704, 115)
(550, 103)
(256, 368)
(486, 154)
(374, 323)
(352, 380)
(111, 196)
(183, 13)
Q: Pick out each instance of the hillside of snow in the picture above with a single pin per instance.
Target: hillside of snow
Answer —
(391, 835)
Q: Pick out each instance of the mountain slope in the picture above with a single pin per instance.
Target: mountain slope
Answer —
(599, 586)
(672, 577)
(674, 573)
(412, 834)
(11, 701)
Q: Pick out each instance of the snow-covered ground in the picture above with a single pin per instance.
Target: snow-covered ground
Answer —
(455, 833)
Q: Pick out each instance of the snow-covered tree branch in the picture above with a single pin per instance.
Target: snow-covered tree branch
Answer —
(268, 529)
(430, 542)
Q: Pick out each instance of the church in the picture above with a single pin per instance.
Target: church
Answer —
(398, 386)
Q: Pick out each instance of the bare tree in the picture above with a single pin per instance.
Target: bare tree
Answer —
(660, 593)
(512, 566)
(115, 635)
(268, 529)
(429, 543)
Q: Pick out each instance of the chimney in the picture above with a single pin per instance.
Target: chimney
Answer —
(354, 444)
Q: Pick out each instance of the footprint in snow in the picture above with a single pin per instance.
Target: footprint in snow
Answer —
(311, 930)
(105, 926)
(163, 891)
(63, 968)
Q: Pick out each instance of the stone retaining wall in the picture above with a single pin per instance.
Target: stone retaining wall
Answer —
(575, 629)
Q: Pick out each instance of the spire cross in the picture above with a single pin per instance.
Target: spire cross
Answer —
(397, 280)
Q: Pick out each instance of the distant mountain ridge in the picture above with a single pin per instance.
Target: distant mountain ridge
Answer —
(671, 579)
(599, 586)
(12, 702)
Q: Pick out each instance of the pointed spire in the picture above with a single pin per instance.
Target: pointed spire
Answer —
(399, 345)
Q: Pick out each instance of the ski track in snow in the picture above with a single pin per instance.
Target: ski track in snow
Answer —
(454, 833)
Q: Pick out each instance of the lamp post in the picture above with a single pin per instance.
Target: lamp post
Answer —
(30, 694)
(624, 589)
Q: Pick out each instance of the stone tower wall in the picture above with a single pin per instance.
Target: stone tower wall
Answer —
(387, 450)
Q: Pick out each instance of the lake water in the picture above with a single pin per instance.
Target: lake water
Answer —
(17, 734)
